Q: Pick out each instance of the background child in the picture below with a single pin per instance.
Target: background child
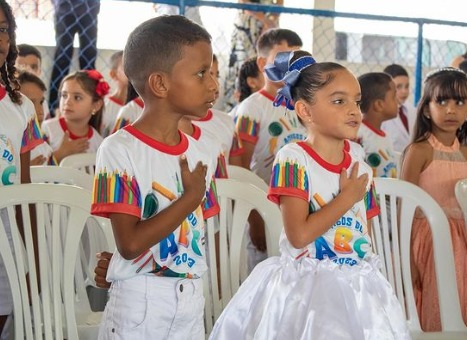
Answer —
(379, 104)
(250, 79)
(34, 88)
(435, 161)
(30, 59)
(117, 99)
(19, 133)
(264, 128)
(324, 189)
(400, 128)
(131, 111)
(81, 105)
(159, 184)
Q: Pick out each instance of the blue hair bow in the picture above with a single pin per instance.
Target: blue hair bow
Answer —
(288, 73)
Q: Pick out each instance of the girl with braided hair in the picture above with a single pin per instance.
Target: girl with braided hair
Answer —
(19, 133)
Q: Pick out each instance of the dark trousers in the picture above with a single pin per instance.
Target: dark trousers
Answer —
(66, 26)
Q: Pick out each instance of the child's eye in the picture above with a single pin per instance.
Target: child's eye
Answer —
(201, 73)
(359, 103)
(78, 98)
(441, 102)
(460, 102)
(338, 101)
(4, 30)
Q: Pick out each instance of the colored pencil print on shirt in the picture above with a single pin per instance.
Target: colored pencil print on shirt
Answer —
(115, 188)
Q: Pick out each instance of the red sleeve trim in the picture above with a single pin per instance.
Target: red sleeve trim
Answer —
(105, 209)
(275, 193)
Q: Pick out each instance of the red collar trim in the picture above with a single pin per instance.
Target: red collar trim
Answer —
(269, 96)
(139, 102)
(336, 168)
(207, 117)
(2, 92)
(196, 132)
(117, 101)
(64, 127)
(378, 132)
(170, 150)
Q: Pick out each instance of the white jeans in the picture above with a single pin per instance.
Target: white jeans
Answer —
(152, 307)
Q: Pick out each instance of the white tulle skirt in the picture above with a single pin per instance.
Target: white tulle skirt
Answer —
(311, 299)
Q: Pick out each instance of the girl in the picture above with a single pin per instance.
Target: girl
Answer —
(326, 284)
(250, 79)
(19, 133)
(81, 106)
(439, 147)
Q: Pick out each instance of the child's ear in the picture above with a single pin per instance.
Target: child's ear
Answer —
(303, 111)
(158, 84)
(378, 105)
(261, 62)
(97, 105)
(113, 74)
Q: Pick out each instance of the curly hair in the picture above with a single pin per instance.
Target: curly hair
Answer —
(8, 69)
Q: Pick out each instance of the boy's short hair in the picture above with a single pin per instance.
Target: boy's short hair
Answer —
(395, 70)
(25, 50)
(275, 36)
(156, 45)
(373, 86)
(28, 77)
(115, 59)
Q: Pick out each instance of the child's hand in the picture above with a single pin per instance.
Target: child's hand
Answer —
(70, 146)
(352, 186)
(194, 182)
(39, 160)
(101, 269)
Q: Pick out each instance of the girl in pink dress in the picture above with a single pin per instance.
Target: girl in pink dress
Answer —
(435, 161)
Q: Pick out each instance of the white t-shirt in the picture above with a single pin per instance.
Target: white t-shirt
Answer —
(129, 113)
(54, 131)
(45, 150)
(396, 131)
(19, 133)
(299, 171)
(111, 108)
(136, 175)
(379, 152)
(222, 126)
(268, 127)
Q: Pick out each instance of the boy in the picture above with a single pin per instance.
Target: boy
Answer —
(379, 104)
(263, 128)
(150, 181)
(400, 128)
(117, 99)
(34, 88)
(30, 59)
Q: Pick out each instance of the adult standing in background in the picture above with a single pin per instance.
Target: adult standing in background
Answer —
(73, 17)
(248, 26)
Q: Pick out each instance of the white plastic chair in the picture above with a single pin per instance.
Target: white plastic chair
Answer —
(49, 311)
(461, 195)
(241, 174)
(82, 161)
(394, 251)
(97, 237)
(232, 223)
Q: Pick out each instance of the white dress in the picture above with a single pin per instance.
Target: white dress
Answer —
(331, 289)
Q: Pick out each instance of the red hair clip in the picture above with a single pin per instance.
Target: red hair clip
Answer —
(102, 87)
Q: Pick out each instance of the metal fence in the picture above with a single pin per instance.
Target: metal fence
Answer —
(329, 35)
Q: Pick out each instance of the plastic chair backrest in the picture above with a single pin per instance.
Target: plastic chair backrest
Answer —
(50, 309)
(392, 235)
(82, 161)
(245, 175)
(232, 223)
(62, 175)
(461, 196)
